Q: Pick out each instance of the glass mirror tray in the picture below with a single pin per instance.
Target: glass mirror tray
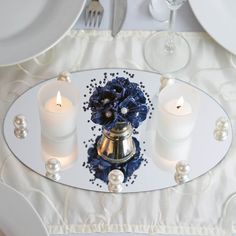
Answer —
(202, 150)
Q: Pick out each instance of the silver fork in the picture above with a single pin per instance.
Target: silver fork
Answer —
(94, 13)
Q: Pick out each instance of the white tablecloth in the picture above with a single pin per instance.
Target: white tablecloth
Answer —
(206, 206)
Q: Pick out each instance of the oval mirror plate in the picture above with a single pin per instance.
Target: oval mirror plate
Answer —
(155, 171)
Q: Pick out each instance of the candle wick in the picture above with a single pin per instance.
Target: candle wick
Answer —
(178, 107)
(59, 105)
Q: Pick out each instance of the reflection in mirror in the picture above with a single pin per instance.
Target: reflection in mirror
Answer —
(169, 153)
(173, 150)
(53, 168)
(115, 180)
(221, 129)
(182, 172)
(64, 150)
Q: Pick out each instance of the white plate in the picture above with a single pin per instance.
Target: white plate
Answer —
(17, 216)
(28, 28)
(218, 18)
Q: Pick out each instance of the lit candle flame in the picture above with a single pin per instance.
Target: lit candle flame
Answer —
(180, 102)
(59, 103)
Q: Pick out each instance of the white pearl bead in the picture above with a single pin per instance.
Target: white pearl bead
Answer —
(53, 176)
(53, 166)
(222, 123)
(180, 179)
(105, 101)
(166, 80)
(116, 177)
(21, 133)
(64, 76)
(124, 110)
(108, 114)
(220, 135)
(115, 188)
(182, 168)
(20, 122)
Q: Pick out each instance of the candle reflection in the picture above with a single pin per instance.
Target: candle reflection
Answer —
(169, 153)
(173, 150)
(64, 150)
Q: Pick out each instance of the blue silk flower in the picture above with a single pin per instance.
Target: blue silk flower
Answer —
(118, 101)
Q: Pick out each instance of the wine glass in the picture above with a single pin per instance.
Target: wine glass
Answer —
(168, 52)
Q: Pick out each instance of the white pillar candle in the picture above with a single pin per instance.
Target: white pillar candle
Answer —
(177, 111)
(58, 109)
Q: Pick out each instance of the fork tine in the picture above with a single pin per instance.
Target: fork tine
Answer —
(92, 17)
(100, 15)
(95, 19)
(87, 16)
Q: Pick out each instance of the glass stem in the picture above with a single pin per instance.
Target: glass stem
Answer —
(170, 44)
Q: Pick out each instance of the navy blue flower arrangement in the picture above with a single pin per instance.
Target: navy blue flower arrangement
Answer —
(118, 101)
(101, 168)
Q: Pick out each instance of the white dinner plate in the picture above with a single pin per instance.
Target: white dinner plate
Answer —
(218, 18)
(28, 28)
(17, 216)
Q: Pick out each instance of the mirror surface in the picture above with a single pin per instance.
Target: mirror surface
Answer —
(159, 155)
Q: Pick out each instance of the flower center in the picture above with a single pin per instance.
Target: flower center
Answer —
(108, 114)
(124, 110)
(105, 101)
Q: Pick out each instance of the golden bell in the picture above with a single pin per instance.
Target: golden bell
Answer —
(117, 145)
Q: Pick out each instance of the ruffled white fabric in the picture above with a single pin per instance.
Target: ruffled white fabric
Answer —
(206, 206)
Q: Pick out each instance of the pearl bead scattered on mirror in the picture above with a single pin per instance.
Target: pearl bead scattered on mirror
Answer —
(220, 135)
(222, 123)
(166, 80)
(115, 188)
(21, 133)
(182, 167)
(115, 178)
(64, 76)
(221, 129)
(182, 172)
(20, 124)
(53, 165)
(20, 121)
(180, 179)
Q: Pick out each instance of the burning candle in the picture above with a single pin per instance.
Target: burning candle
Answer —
(178, 107)
(177, 111)
(57, 109)
(58, 104)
